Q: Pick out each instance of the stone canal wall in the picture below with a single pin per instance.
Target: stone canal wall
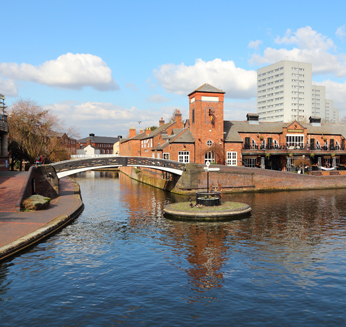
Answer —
(234, 179)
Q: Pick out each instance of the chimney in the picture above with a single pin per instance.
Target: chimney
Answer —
(88, 141)
(161, 122)
(141, 131)
(178, 119)
(147, 131)
(252, 118)
(132, 132)
(315, 121)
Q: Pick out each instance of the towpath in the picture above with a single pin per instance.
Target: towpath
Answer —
(21, 229)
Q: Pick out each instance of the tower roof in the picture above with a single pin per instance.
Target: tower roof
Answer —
(207, 88)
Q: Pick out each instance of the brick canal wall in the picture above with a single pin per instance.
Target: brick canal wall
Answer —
(151, 177)
(234, 179)
(41, 180)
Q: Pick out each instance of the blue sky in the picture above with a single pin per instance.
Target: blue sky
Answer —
(103, 66)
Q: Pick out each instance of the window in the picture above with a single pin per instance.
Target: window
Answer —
(232, 158)
(184, 156)
(209, 156)
(193, 116)
(158, 155)
(166, 156)
(263, 144)
(209, 143)
(247, 143)
(269, 143)
(249, 162)
(295, 140)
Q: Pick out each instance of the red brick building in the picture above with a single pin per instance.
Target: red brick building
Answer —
(68, 143)
(206, 136)
(104, 143)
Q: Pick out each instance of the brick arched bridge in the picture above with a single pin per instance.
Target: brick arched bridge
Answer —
(70, 167)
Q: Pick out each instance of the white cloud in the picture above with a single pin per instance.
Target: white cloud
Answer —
(340, 32)
(254, 44)
(311, 47)
(69, 71)
(238, 83)
(306, 38)
(238, 110)
(157, 98)
(107, 119)
(8, 88)
(337, 92)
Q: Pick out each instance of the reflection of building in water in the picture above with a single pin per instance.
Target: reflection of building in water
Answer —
(207, 255)
(98, 174)
(286, 229)
(146, 203)
(202, 243)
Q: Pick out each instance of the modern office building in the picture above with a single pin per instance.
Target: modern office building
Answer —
(285, 93)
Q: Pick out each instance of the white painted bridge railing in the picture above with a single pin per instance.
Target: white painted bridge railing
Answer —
(81, 156)
(69, 167)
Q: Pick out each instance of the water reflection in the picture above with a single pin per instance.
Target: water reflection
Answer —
(121, 261)
(285, 228)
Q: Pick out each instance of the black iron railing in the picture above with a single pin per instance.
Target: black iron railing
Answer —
(294, 147)
(116, 161)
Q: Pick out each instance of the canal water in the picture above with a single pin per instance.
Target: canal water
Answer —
(122, 263)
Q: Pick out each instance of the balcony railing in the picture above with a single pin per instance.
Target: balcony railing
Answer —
(288, 147)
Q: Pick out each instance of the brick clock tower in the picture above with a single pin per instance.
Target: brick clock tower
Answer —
(206, 123)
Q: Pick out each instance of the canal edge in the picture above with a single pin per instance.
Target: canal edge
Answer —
(45, 231)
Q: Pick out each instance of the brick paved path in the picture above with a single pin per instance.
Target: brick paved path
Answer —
(14, 225)
(11, 183)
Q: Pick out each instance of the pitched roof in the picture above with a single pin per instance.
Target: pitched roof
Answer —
(181, 136)
(99, 139)
(185, 137)
(207, 88)
(143, 136)
(233, 128)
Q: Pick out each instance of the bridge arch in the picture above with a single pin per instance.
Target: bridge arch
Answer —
(70, 167)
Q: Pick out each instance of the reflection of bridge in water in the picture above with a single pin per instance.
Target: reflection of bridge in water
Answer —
(70, 167)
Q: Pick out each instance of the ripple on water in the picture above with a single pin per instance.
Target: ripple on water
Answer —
(121, 262)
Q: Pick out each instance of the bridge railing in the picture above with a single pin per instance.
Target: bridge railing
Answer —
(143, 161)
(81, 156)
(114, 161)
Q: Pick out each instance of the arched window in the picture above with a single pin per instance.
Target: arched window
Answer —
(263, 144)
(276, 144)
(254, 144)
(209, 156)
(318, 145)
(337, 145)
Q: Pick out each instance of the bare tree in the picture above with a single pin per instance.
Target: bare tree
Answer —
(343, 120)
(34, 129)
